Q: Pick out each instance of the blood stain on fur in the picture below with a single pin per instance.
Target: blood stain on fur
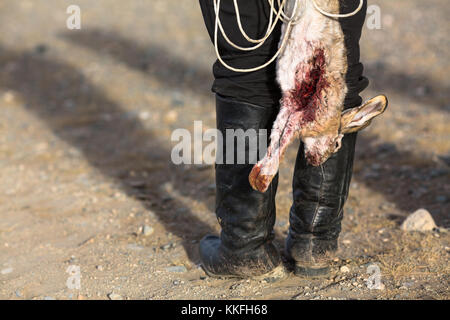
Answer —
(308, 87)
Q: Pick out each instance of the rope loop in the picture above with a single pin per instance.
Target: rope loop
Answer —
(281, 15)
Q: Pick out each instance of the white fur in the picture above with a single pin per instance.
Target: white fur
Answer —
(312, 28)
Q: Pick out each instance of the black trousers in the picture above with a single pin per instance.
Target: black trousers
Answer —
(260, 87)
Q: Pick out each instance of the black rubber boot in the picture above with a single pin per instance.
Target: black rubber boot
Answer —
(247, 217)
(315, 218)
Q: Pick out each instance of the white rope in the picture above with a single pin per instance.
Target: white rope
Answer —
(269, 27)
(281, 14)
(260, 42)
(280, 49)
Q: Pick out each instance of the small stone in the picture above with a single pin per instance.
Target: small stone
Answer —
(447, 249)
(421, 220)
(114, 296)
(345, 269)
(171, 117)
(235, 286)
(99, 268)
(167, 247)
(176, 282)
(147, 230)
(386, 206)
(9, 97)
(179, 269)
(354, 185)
(144, 115)
(49, 298)
(6, 270)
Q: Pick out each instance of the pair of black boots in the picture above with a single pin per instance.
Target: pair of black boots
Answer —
(245, 247)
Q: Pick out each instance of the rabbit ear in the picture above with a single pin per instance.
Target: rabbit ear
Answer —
(358, 118)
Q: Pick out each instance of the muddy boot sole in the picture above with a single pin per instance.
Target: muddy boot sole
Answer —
(277, 274)
(311, 271)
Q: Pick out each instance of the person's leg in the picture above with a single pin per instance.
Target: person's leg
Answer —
(243, 101)
(319, 193)
(258, 87)
(246, 216)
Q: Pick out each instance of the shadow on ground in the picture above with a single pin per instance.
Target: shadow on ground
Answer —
(403, 178)
(160, 63)
(110, 138)
(420, 88)
(154, 61)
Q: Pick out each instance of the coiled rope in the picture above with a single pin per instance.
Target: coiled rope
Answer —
(281, 15)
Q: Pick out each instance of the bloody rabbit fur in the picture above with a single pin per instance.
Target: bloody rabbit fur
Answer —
(311, 73)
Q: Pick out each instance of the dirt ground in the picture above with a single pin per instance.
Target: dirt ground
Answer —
(86, 119)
